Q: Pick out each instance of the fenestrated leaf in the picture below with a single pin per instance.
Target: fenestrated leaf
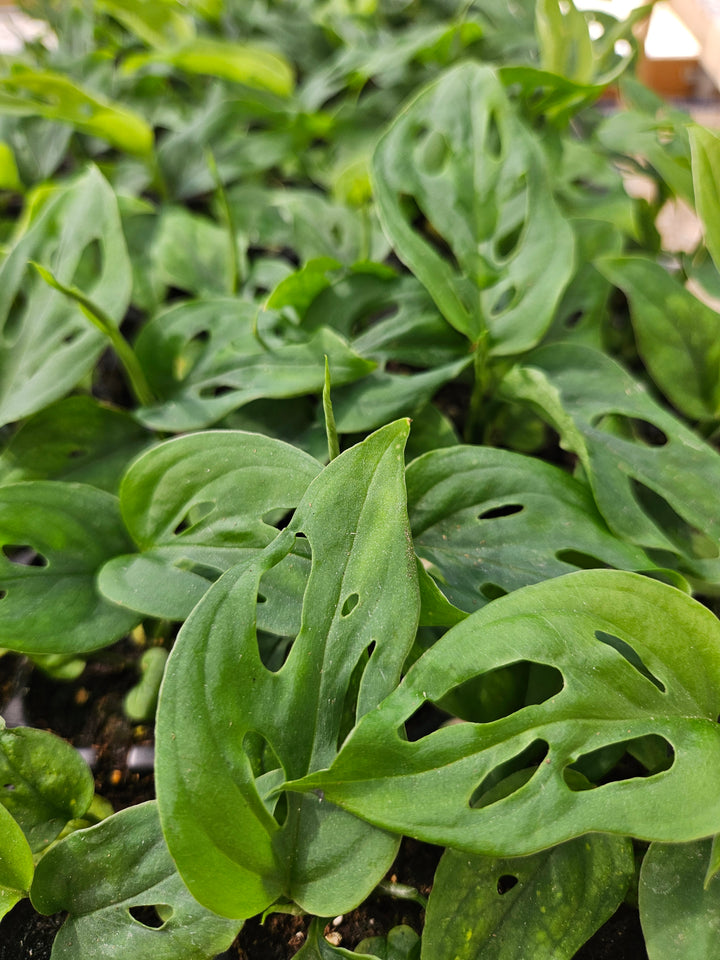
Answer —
(460, 155)
(360, 615)
(677, 336)
(16, 863)
(203, 360)
(195, 506)
(680, 915)
(54, 537)
(44, 783)
(637, 659)
(46, 344)
(654, 480)
(544, 906)
(191, 253)
(491, 521)
(75, 439)
(101, 875)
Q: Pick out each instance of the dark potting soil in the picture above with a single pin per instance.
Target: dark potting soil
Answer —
(88, 712)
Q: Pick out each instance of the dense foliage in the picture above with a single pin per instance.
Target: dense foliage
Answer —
(337, 356)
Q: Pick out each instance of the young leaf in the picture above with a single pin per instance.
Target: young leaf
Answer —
(44, 783)
(545, 905)
(316, 947)
(678, 336)
(195, 506)
(236, 852)
(16, 863)
(459, 155)
(46, 344)
(680, 916)
(705, 154)
(401, 943)
(633, 658)
(121, 889)
(54, 538)
(491, 521)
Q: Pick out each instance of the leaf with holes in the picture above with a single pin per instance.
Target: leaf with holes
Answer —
(467, 204)
(627, 661)
(16, 863)
(44, 783)
(679, 907)
(678, 336)
(46, 344)
(229, 729)
(76, 439)
(545, 905)
(654, 480)
(199, 504)
(120, 888)
(490, 521)
(191, 253)
(204, 360)
(55, 537)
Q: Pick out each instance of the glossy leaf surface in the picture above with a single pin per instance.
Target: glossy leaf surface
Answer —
(54, 538)
(679, 911)
(359, 619)
(637, 658)
(101, 875)
(16, 863)
(459, 155)
(545, 905)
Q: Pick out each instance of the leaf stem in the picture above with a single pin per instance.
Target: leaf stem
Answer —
(229, 221)
(97, 316)
(480, 387)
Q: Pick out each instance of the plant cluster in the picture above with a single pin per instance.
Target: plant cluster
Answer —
(331, 336)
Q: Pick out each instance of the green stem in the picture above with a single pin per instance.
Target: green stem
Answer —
(480, 387)
(97, 316)
(229, 221)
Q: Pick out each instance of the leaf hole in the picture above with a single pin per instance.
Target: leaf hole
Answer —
(213, 391)
(634, 759)
(350, 603)
(434, 152)
(504, 301)
(24, 555)
(632, 428)
(583, 561)
(261, 598)
(505, 883)
(573, 319)
(506, 244)
(493, 139)
(499, 693)
(687, 538)
(492, 591)
(507, 777)
(153, 915)
(424, 721)
(76, 454)
(71, 337)
(194, 515)
(631, 656)
(504, 510)
(422, 225)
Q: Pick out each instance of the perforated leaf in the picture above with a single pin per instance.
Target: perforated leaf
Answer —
(229, 729)
(465, 200)
(629, 659)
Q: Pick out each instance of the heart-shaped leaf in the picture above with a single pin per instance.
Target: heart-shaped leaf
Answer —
(459, 163)
(46, 344)
(625, 661)
(44, 782)
(195, 506)
(229, 730)
(54, 538)
(490, 521)
(120, 888)
(545, 905)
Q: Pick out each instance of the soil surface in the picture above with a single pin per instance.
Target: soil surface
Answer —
(88, 712)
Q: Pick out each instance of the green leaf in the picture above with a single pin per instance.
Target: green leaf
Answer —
(9, 175)
(45, 93)
(16, 863)
(677, 336)
(44, 783)
(76, 439)
(705, 156)
(191, 253)
(564, 41)
(55, 537)
(460, 156)
(195, 506)
(491, 521)
(401, 943)
(46, 343)
(101, 875)
(653, 480)
(223, 737)
(251, 66)
(204, 360)
(158, 24)
(545, 905)
(316, 947)
(621, 671)
(680, 915)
